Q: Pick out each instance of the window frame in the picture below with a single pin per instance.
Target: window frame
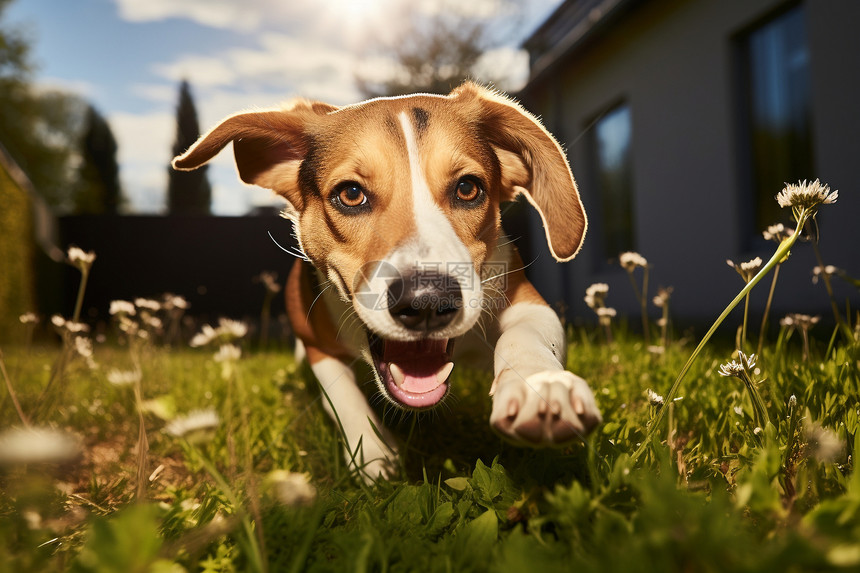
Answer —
(606, 251)
(751, 194)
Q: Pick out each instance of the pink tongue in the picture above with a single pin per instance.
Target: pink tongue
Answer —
(420, 375)
(417, 362)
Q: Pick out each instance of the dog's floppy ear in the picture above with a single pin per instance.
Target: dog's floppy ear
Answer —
(532, 164)
(268, 146)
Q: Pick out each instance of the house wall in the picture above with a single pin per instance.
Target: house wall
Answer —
(674, 63)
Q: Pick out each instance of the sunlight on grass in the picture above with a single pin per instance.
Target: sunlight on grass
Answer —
(138, 452)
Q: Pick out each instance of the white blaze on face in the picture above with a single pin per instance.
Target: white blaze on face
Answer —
(435, 247)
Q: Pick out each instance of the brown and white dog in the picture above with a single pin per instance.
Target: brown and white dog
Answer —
(395, 203)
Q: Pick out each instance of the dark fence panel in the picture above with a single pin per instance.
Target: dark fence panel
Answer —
(211, 261)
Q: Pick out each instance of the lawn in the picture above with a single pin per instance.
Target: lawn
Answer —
(136, 452)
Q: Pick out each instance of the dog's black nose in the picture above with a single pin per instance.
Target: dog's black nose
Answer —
(425, 301)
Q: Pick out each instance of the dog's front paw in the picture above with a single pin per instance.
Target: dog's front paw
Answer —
(549, 408)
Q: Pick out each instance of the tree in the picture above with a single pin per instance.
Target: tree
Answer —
(188, 192)
(98, 188)
(38, 128)
(435, 52)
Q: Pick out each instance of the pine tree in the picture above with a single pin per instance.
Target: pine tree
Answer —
(188, 192)
(98, 189)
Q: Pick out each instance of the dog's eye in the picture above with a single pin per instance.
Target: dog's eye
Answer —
(468, 190)
(350, 197)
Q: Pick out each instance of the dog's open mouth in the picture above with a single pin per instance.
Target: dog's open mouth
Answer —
(415, 373)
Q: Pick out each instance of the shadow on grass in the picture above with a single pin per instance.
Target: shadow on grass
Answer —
(448, 440)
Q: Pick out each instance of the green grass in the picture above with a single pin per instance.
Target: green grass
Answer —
(708, 494)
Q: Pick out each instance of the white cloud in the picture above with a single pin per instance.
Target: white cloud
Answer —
(215, 13)
(298, 48)
(282, 64)
(82, 88)
(144, 152)
(201, 71)
(158, 93)
(509, 66)
(145, 142)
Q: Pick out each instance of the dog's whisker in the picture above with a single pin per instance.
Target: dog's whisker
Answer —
(529, 364)
(506, 243)
(311, 307)
(347, 318)
(298, 253)
(503, 274)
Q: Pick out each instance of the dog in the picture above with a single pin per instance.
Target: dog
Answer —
(396, 207)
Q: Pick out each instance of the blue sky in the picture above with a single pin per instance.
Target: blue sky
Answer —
(128, 56)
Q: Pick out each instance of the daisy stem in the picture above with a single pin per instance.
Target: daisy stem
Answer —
(21, 415)
(82, 287)
(759, 409)
(665, 326)
(781, 252)
(763, 328)
(142, 441)
(744, 327)
(265, 315)
(255, 555)
(640, 298)
(643, 302)
(826, 278)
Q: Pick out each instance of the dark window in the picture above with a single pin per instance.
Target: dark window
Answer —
(775, 62)
(613, 179)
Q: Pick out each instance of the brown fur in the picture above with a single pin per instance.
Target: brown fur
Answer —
(304, 151)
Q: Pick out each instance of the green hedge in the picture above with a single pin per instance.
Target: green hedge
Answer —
(16, 257)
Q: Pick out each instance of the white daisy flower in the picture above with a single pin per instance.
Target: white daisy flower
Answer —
(822, 444)
(148, 304)
(28, 318)
(798, 320)
(654, 398)
(270, 281)
(122, 307)
(172, 301)
(76, 327)
(228, 353)
(777, 233)
(232, 328)
(747, 269)
(197, 426)
(821, 272)
(206, 335)
(631, 260)
(123, 377)
(291, 489)
(37, 445)
(596, 294)
(80, 258)
(805, 195)
(738, 368)
(84, 346)
(662, 297)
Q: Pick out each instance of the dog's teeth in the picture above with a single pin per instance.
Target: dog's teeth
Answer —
(443, 374)
(396, 373)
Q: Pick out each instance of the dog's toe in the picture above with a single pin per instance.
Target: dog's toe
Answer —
(545, 409)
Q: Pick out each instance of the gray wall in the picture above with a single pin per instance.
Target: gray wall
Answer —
(673, 61)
